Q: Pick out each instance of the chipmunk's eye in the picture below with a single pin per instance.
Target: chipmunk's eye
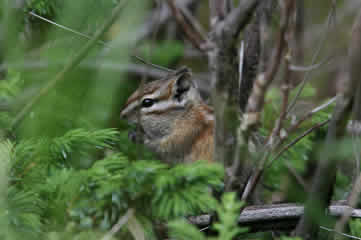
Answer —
(148, 102)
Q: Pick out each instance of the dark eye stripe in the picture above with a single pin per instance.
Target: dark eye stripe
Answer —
(148, 102)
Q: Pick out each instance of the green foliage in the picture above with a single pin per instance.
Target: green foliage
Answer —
(174, 50)
(42, 183)
(172, 192)
(186, 189)
(24, 211)
(10, 88)
(227, 228)
(65, 173)
(228, 213)
(355, 227)
(290, 238)
(277, 176)
(45, 192)
(182, 230)
(43, 7)
(48, 8)
(48, 193)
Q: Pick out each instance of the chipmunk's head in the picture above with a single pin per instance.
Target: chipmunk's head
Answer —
(157, 106)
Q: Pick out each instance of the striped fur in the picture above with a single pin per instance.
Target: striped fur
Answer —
(179, 125)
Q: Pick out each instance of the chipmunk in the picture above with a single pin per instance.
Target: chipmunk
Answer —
(174, 121)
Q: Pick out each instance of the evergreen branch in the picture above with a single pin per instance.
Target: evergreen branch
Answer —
(181, 229)
(99, 138)
(69, 67)
(24, 211)
(122, 220)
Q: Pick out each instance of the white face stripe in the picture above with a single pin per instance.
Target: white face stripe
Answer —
(155, 95)
(162, 106)
(130, 107)
(157, 106)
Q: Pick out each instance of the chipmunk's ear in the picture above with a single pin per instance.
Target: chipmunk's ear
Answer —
(183, 83)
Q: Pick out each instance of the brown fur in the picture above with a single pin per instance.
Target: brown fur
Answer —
(180, 132)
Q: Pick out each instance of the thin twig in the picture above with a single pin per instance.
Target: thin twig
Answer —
(296, 140)
(237, 18)
(224, 75)
(70, 66)
(355, 145)
(217, 13)
(325, 176)
(315, 56)
(298, 178)
(163, 15)
(340, 233)
(256, 100)
(352, 202)
(116, 227)
(65, 28)
(356, 183)
(285, 90)
(324, 62)
(168, 70)
(231, 173)
(190, 27)
(193, 21)
(138, 58)
(294, 126)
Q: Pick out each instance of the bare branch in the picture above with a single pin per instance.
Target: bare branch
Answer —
(157, 18)
(285, 90)
(274, 217)
(296, 140)
(322, 184)
(254, 38)
(217, 11)
(256, 100)
(237, 19)
(352, 201)
(224, 76)
(330, 18)
(189, 25)
(355, 61)
(294, 126)
(298, 68)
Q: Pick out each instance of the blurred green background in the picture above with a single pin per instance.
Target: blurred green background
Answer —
(63, 168)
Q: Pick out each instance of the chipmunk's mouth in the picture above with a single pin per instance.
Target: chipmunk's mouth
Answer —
(137, 135)
(132, 135)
